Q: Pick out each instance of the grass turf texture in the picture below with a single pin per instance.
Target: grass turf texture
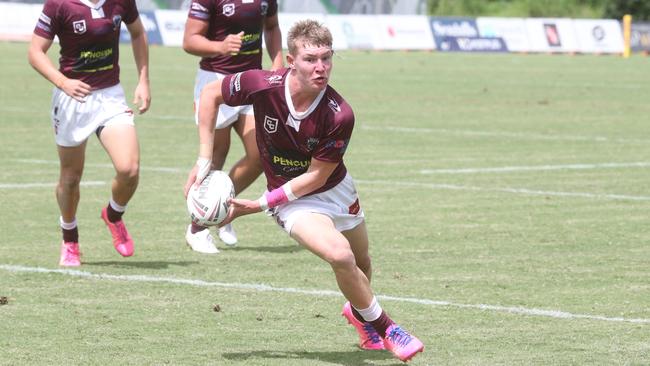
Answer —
(557, 239)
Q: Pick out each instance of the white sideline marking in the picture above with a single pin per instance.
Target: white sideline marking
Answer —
(507, 190)
(527, 136)
(536, 168)
(267, 288)
(97, 165)
(415, 184)
(89, 183)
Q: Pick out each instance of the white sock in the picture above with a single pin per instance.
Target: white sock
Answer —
(372, 312)
(116, 206)
(67, 225)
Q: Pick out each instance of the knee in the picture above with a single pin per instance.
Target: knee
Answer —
(70, 180)
(129, 172)
(341, 258)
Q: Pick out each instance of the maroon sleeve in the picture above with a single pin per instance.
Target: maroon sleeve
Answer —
(238, 89)
(200, 9)
(48, 22)
(131, 12)
(333, 146)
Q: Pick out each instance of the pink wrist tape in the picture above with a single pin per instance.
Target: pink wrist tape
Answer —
(276, 197)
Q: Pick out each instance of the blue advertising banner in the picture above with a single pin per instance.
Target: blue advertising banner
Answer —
(640, 37)
(462, 35)
(148, 19)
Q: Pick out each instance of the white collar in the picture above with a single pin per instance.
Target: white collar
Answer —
(299, 115)
(89, 4)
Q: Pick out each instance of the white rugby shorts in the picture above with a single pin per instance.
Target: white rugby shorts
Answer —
(74, 122)
(227, 115)
(340, 203)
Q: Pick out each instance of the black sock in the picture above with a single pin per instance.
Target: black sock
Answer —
(113, 216)
(382, 323)
(70, 236)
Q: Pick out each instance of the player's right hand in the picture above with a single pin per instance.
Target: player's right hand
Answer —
(200, 170)
(232, 44)
(75, 89)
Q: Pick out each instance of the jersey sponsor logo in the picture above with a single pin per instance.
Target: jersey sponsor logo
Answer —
(311, 143)
(79, 26)
(286, 162)
(97, 57)
(334, 105)
(337, 144)
(270, 124)
(264, 7)
(229, 9)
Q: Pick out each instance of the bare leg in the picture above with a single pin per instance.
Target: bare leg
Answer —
(358, 239)
(334, 248)
(121, 144)
(71, 161)
(220, 147)
(249, 167)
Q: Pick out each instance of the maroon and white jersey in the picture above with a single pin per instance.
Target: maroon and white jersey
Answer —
(231, 17)
(287, 139)
(89, 35)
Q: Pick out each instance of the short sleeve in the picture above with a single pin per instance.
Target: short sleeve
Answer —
(238, 89)
(131, 13)
(333, 146)
(200, 9)
(47, 25)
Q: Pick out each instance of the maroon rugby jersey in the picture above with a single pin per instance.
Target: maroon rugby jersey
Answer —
(288, 141)
(231, 17)
(89, 35)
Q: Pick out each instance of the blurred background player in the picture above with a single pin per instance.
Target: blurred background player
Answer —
(228, 37)
(303, 127)
(88, 99)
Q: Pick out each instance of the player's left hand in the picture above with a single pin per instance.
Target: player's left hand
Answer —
(240, 207)
(142, 97)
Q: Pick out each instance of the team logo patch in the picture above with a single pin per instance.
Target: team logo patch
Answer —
(79, 26)
(228, 9)
(334, 105)
(264, 7)
(274, 79)
(270, 124)
(117, 20)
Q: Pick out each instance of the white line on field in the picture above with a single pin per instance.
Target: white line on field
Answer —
(97, 165)
(506, 190)
(89, 183)
(329, 293)
(506, 169)
(526, 136)
(416, 184)
(188, 118)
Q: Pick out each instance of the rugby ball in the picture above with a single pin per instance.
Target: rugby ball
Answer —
(207, 203)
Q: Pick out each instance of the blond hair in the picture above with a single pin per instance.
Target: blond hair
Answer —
(309, 32)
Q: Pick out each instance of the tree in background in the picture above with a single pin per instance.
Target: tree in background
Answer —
(640, 9)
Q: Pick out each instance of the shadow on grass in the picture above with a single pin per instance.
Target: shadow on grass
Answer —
(271, 249)
(355, 357)
(140, 264)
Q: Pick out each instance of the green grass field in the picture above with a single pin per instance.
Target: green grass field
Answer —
(506, 196)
